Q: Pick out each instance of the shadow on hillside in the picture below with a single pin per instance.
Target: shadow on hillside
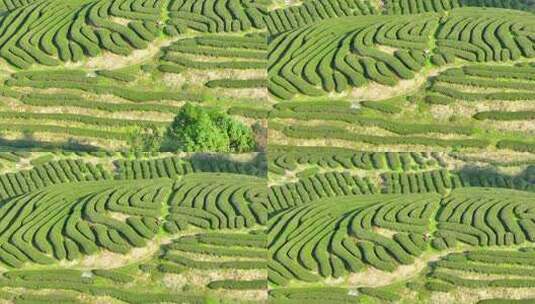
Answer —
(255, 164)
(30, 144)
(491, 177)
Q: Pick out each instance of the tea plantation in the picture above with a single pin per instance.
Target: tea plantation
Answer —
(403, 75)
(406, 75)
(327, 225)
(94, 228)
(87, 75)
(267, 151)
(390, 227)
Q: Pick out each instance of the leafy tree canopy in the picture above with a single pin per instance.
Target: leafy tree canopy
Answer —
(206, 130)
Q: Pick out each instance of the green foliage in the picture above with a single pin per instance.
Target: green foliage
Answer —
(438, 286)
(395, 7)
(9, 157)
(328, 295)
(381, 294)
(335, 236)
(383, 106)
(352, 58)
(287, 158)
(171, 167)
(289, 18)
(41, 160)
(117, 75)
(516, 145)
(236, 83)
(232, 16)
(113, 275)
(50, 33)
(238, 285)
(198, 129)
(506, 116)
(237, 205)
(328, 132)
(146, 139)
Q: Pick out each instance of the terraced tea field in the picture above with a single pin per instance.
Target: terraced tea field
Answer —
(267, 151)
(403, 75)
(86, 75)
(308, 224)
(387, 227)
(110, 228)
(347, 73)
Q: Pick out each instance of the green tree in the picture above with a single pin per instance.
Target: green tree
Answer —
(201, 130)
(241, 138)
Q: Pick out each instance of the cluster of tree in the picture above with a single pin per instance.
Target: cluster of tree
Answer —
(196, 129)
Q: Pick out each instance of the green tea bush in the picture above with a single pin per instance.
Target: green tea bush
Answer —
(516, 145)
(505, 116)
(236, 83)
(113, 275)
(238, 285)
(382, 106)
(117, 75)
(380, 294)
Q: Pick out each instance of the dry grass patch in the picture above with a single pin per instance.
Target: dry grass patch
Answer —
(118, 216)
(121, 21)
(198, 279)
(387, 49)
(200, 77)
(525, 126)
(109, 260)
(375, 91)
(110, 61)
(384, 232)
(373, 277)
